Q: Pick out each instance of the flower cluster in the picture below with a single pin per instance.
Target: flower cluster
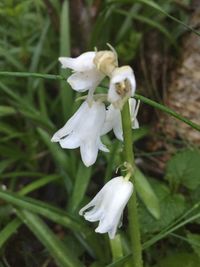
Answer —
(94, 119)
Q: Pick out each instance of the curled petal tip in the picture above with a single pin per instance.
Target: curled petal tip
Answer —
(55, 139)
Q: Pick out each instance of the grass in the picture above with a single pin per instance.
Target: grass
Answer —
(43, 186)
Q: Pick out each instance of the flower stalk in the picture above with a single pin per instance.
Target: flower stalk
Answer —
(132, 206)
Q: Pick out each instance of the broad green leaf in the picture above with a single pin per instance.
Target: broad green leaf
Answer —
(184, 168)
(180, 259)
(194, 240)
(146, 193)
(171, 207)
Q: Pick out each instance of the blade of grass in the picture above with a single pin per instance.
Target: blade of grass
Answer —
(24, 107)
(157, 7)
(146, 193)
(66, 93)
(167, 110)
(57, 249)
(12, 226)
(55, 214)
(9, 230)
(60, 157)
(38, 184)
(51, 212)
(82, 179)
(37, 54)
(151, 23)
(31, 74)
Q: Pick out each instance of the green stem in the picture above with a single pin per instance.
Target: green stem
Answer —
(32, 74)
(167, 110)
(132, 207)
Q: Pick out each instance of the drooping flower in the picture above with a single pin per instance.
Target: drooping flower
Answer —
(86, 76)
(83, 130)
(113, 119)
(89, 69)
(108, 205)
(122, 85)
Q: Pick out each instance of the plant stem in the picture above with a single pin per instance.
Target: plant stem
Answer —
(32, 74)
(167, 110)
(132, 207)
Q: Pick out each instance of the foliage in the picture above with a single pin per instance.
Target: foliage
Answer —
(43, 186)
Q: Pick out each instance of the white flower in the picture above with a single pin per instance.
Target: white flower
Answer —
(83, 130)
(108, 205)
(86, 76)
(113, 119)
(122, 84)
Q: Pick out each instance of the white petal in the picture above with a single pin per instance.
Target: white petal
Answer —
(82, 63)
(135, 124)
(70, 124)
(111, 116)
(94, 202)
(102, 147)
(134, 106)
(112, 232)
(120, 75)
(82, 81)
(93, 216)
(72, 141)
(89, 151)
(108, 205)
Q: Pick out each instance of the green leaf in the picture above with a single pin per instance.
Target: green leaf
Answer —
(49, 211)
(160, 9)
(82, 179)
(6, 111)
(38, 184)
(180, 259)
(66, 93)
(151, 23)
(184, 168)
(171, 207)
(146, 193)
(60, 252)
(194, 240)
(58, 154)
(120, 262)
(8, 231)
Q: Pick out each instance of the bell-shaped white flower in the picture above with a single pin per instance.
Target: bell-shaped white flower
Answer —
(108, 205)
(122, 85)
(83, 130)
(113, 119)
(86, 76)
